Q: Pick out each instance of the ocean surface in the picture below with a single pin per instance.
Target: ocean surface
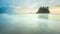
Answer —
(29, 24)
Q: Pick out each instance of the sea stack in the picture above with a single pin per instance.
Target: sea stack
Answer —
(43, 10)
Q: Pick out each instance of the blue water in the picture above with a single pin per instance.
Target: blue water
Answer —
(29, 24)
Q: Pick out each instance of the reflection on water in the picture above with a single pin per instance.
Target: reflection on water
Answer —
(29, 24)
(44, 16)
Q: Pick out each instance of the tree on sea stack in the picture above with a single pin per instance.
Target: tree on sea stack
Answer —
(43, 10)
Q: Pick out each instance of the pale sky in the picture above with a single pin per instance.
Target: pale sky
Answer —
(22, 6)
(30, 3)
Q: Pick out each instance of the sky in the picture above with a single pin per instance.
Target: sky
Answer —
(25, 6)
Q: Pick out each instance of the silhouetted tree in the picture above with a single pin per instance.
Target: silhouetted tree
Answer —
(43, 10)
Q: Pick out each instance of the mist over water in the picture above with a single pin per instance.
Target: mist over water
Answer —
(29, 24)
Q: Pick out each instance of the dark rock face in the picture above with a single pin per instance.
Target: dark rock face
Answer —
(43, 10)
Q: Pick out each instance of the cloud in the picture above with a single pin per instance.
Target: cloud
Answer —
(54, 2)
(34, 5)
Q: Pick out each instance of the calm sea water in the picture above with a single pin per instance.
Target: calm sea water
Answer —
(29, 24)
